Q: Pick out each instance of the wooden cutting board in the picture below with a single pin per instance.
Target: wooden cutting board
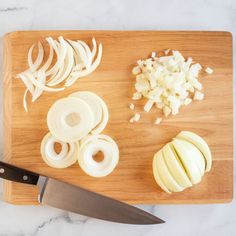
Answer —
(132, 181)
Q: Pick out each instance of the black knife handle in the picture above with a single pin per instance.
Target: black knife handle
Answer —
(16, 174)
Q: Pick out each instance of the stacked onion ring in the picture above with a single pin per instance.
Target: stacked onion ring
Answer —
(75, 123)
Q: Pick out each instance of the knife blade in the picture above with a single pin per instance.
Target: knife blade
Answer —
(75, 199)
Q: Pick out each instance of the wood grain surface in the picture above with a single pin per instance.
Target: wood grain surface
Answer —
(132, 181)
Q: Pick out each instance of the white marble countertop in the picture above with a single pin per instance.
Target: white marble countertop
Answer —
(181, 220)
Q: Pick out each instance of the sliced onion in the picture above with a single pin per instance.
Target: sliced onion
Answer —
(41, 78)
(94, 50)
(90, 147)
(80, 53)
(70, 119)
(36, 83)
(56, 66)
(25, 100)
(66, 157)
(78, 74)
(66, 70)
(34, 66)
(28, 84)
(94, 102)
(74, 60)
(88, 53)
(49, 60)
(105, 117)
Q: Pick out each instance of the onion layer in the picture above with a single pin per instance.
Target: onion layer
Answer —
(66, 157)
(90, 146)
(70, 119)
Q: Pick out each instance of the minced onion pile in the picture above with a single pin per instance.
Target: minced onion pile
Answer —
(75, 122)
(182, 162)
(74, 59)
(168, 82)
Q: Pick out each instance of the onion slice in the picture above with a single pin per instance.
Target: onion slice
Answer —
(90, 147)
(94, 102)
(33, 66)
(78, 74)
(66, 157)
(41, 78)
(70, 119)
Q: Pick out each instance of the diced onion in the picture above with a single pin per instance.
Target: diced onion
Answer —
(169, 82)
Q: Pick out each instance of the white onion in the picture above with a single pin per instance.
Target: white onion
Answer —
(74, 59)
(25, 100)
(105, 117)
(78, 74)
(66, 70)
(66, 157)
(94, 102)
(182, 162)
(41, 78)
(62, 112)
(34, 66)
(90, 147)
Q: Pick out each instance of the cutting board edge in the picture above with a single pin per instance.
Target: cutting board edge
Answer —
(13, 33)
(7, 98)
(7, 155)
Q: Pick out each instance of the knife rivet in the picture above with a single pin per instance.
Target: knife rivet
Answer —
(2, 170)
(25, 177)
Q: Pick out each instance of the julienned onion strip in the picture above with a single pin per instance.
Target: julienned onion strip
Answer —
(65, 158)
(90, 146)
(74, 59)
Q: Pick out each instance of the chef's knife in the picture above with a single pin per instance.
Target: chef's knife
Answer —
(76, 199)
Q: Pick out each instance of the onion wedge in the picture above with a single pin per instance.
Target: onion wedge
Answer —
(175, 167)
(200, 143)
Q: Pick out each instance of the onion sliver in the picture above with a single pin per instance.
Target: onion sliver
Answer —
(66, 70)
(34, 66)
(25, 100)
(66, 157)
(78, 74)
(94, 50)
(49, 60)
(70, 119)
(88, 53)
(27, 82)
(56, 66)
(94, 102)
(38, 91)
(36, 83)
(90, 147)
